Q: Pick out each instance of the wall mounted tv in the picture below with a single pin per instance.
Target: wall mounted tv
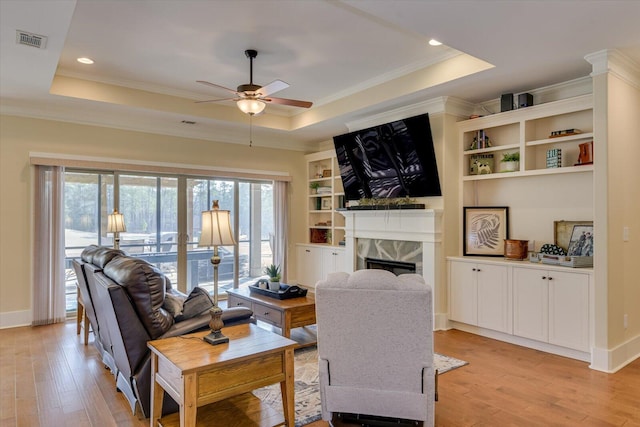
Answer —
(396, 159)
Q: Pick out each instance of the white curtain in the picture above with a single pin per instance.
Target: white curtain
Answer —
(281, 218)
(48, 247)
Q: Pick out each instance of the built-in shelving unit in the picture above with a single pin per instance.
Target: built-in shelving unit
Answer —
(544, 307)
(527, 131)
(324, 224)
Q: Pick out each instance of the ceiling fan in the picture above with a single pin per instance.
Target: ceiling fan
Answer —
(251, 98)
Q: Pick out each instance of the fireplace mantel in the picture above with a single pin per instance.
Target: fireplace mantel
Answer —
(414, 225)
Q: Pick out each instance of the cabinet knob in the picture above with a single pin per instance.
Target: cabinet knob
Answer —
(238, 303)
(550, 278)
(473, 269)
(478, 270)
(266, 313)
(544, 277)
(307, 250)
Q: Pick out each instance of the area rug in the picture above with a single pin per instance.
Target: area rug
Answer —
(307, 390)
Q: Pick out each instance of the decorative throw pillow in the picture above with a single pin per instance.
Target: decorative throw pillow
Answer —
(550, 249)
(196, 303)
(173, 304)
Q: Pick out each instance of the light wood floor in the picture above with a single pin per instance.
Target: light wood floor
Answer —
(48, 378)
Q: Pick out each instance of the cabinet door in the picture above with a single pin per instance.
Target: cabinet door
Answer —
(494, 307)
(569, 309)
(332, 261)
(463, 292)
(530, 303)
(309, 265)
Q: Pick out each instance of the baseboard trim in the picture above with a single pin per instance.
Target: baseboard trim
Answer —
(440, 322)
(612, 360)
(524, 342)
(14, 319)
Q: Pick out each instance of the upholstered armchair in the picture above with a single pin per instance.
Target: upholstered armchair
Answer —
(375, 345)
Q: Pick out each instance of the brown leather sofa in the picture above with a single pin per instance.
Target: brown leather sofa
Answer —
(128, 298)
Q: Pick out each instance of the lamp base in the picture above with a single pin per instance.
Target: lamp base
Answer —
(215, 338)
(216, 323)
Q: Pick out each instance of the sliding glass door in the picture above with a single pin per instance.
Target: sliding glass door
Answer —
(163, 220)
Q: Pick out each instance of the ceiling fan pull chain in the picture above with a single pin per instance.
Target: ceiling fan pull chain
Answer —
(250, 130)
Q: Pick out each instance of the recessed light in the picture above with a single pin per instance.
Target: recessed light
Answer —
(434, 42)
(83, 60)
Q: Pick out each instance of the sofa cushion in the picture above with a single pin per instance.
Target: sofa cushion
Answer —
(103, 255)
(88, 252)
(196, 303)
(173, 303)
(145, 285)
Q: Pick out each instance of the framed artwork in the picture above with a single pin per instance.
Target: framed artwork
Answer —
(581, 242)
(326, 173)
(562, 231)
(485, 229)
(326, 203)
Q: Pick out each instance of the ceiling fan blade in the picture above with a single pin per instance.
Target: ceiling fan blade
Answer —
(217, 100)
(216, 86)
(292, 102)
(273, 87)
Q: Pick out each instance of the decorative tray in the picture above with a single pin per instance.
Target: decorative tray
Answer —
(285, 292)
(567, 261)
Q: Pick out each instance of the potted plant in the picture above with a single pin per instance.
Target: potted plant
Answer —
(511, 162)
(314, 186)
(273, 271)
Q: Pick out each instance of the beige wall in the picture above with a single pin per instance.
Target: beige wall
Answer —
(623, 192)
(19, 136)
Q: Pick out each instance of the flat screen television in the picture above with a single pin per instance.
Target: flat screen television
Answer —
(396, 159)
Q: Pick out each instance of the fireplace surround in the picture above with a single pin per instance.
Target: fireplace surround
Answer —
(413, 235)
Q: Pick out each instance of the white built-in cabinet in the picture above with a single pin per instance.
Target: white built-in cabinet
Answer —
(543, 306)
(547, 305)
(479, 295)
(552, 306)
(315, 262)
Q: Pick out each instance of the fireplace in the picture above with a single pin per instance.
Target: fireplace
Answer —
(396, 267)
(407, 236)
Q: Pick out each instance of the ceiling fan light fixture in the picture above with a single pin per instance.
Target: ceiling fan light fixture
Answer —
(251, 106)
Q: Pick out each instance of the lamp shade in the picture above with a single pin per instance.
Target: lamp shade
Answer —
(216, 228)
(251, 106)
(115, 222)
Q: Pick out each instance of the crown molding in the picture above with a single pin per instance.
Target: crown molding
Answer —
(443, 104)
(614, 62)
(206, 132)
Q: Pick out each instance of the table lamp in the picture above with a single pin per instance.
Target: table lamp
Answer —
(216, 231)
(115, 225)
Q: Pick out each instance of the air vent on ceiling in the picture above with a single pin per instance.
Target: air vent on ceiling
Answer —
(30, 39)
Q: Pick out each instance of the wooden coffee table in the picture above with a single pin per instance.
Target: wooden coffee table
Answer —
(212, 383)
(292, 315)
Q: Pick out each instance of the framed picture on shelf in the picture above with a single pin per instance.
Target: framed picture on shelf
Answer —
(562, 231)
(581, 243)
(326, 203)
(485, 229)
(326, 173)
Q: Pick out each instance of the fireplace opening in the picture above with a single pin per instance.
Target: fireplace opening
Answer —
(396, 267)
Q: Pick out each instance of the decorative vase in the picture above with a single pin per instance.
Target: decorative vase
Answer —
(274, 286)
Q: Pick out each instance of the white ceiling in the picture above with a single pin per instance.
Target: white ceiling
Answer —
(351, 58)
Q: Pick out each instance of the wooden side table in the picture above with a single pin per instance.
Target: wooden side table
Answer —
(287, 314)
(201, 377)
